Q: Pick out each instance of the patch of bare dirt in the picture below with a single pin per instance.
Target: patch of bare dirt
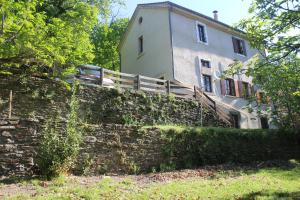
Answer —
(143, 180)
(174, 175)
(13, 189)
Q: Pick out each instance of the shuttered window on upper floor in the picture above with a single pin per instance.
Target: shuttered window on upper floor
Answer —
(229, 87)
(141, 44)
(245, 89)
(236, 88)
(201, 33)
(239, 46)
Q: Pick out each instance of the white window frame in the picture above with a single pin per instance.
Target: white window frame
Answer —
(205, 32)
(244, 46)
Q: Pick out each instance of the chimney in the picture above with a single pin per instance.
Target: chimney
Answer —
(216, 15)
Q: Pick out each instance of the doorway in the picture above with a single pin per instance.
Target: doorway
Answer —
(264, 123)
(235, 119)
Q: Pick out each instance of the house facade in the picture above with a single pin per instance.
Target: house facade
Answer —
(165, 40)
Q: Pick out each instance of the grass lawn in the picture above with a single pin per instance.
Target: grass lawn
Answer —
(266, 183)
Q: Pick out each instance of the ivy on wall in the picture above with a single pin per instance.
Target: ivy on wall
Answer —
(40, 98)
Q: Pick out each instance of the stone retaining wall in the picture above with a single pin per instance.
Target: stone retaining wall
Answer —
(120, 149)
(123, 149)
(40, 99)
(109, 148)
(18, 142)
(113, 145)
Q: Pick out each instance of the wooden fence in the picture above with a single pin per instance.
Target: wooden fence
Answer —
(109, 78)
(211, 104)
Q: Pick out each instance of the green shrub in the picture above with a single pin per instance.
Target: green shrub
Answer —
(192, 147)
(165, 167)
(60, 145)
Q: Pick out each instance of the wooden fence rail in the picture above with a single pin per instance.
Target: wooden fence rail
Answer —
(111, 78)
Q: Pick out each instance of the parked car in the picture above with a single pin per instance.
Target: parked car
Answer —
(90, 74)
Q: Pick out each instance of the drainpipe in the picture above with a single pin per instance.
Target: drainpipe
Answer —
(171, 41)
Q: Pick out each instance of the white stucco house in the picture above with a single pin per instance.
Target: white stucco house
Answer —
(165, 40)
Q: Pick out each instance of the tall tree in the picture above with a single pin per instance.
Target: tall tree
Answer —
(109, 9)
(106, 38)
(274, 27)
(47, 34)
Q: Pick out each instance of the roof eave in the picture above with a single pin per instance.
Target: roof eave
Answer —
(173, 5)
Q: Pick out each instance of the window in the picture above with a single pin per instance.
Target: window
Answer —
(201, 33)
(260, 97)
(235, 120)
(207, 83)
(245, 89)
(264, 123)
(229, 85)
(141, 44)
(140, 20)
(239, 46)
(205, 63)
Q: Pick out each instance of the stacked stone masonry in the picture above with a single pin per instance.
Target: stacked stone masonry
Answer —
(113, 143)
(40, 99)
(109, 148)
(17, 147)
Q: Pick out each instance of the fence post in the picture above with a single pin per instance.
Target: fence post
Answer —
(215, 106)
(138, 82)
(10, 105)
(195, 92)
(101, 76)
(201, 112)
(168, 87)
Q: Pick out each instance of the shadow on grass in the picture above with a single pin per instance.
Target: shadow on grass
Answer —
(281, 169)
(286, 169)
(15, 180)
(272, 195)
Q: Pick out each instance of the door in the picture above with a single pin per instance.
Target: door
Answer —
(264, 123)
(235, 120)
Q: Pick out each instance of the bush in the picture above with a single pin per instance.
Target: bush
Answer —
(59, 146)
(192, 147)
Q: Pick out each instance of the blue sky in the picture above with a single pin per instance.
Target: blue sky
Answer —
(230, 11)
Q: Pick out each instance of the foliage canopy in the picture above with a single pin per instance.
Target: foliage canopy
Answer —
(106, 38)
(274, 27)
(53, 36)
